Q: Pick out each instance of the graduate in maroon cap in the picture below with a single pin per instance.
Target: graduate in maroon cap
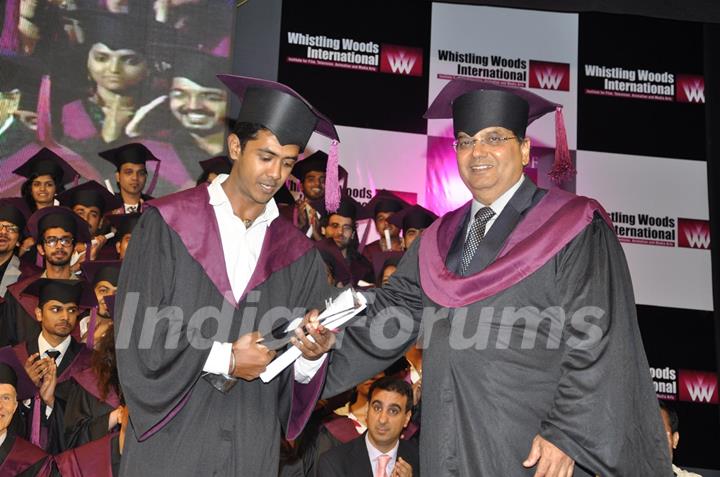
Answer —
(18, 457)
(533, 361)
(197, 406)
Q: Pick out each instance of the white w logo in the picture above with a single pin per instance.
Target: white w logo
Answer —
(401, 63)
(699, 392)
(697, 237)
(694, 91)
(548, 78)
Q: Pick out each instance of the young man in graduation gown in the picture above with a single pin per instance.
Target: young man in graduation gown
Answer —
(533, 362)
(380, 209)
(48, 360)
(130, 161)
(123, 225)
(18, 457)
(195, 404)
(55, 230)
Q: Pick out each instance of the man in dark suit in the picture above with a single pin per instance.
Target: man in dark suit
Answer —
(380, 453)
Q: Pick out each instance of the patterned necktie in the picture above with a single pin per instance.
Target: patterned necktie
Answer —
(477, 233)
(381, 469)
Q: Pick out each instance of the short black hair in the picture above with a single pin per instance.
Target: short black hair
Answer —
(672, 415)
(389, 383)
(247, 131)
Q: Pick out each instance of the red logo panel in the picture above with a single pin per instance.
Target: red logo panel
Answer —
(690, 89)
(401, 60)
(549, 75)
(693, 233)
(698, 386)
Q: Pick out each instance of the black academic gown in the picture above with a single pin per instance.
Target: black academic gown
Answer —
(20, 458)
(16, 323)
(86, 414)
(51, 427)
(352, 459)
(486, 396)
(182, 425)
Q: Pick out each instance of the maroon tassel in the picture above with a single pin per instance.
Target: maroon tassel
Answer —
(10, 38)
(562, 168)
(154, 180)
(332, 186)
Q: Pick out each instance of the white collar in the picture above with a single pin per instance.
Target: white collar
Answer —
(373, 453)
(43, 346)
(6, 125)
(500, 202)
(218, 198)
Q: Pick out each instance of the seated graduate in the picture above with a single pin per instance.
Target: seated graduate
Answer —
(102, 277)
(49, 360)
(381, 453)
(380, 209)
(18, 457)
(56, 230)
(123, 225)
(12, 231)
(131, 173)
(412, 221)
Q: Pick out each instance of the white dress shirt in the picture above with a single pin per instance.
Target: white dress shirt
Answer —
(374, 454)
(496, 206)
(241, 249)
(43, 348)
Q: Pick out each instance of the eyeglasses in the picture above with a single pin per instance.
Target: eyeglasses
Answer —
(53, 241)
(9, 228)
(492, 139)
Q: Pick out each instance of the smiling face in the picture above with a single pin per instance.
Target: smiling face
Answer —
(262, 166)
(116, 70)
(43, 190)
(8, 238)
(489, 171)
(313, 185)
(8, 404)
(198, 108)
(131, 178)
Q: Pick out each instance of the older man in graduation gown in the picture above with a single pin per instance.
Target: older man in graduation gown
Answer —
(195, 404)
(533, 362)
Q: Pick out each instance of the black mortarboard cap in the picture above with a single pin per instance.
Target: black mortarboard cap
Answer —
(414, 217)
(24, 74)
(217, 164)
(348, 207)
(198, 66)
(383, 201)
(8, 375)
(14, 210)
(64, 291)
(278, 108)
(284, 196)
(90, 194)
(47, 162)
(383, 259)
(96, 271)
(123, 223)
(316, 161)
(116, 31)
(475, 105)
(133, 152)
(57, 216)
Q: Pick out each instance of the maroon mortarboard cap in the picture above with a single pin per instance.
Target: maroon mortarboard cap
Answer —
(90, 194)
(333, 258)
(348, 207)
(57, 216)
(96, 271)
(414, 217)
(383, 201)
(381, 260)
(279, 108)
(475, 105)
(284, 196)
(123, 223)
(8, 375)
(197, 66)
(46, 162)
(217, 164)
(15, 211)
(317, 161)
(64, 291)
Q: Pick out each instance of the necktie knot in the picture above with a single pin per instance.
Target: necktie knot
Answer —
(381, 470)
(475, 236)
(53, 353)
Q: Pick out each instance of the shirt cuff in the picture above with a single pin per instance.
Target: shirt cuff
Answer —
(218, 361)
(48, 411)
(305, 369)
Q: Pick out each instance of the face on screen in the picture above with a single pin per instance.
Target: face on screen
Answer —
(198, 108)
(116, 70)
